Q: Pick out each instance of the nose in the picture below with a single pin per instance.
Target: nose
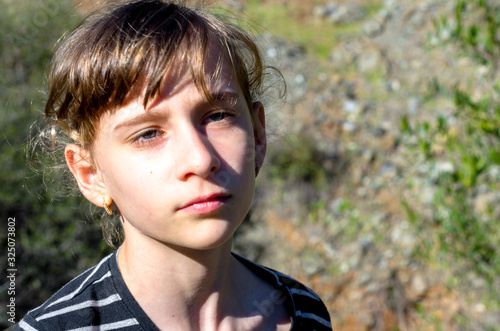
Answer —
(197, 155)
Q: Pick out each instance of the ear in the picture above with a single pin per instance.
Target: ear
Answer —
(87, 176)
(259, 132)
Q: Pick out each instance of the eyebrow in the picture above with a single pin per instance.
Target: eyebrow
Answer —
(139, 119)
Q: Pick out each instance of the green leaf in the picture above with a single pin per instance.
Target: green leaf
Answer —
(472, 39)
(405, 126)
(495, 157)
(489, 127)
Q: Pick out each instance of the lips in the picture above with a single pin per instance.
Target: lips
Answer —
(205, 204)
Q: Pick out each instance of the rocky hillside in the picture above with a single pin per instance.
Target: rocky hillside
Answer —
(346, 234)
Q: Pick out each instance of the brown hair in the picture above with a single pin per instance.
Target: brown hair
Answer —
(125, 45)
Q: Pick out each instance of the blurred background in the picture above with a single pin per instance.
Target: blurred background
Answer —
(381, 186)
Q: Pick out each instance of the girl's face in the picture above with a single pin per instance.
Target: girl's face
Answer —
(182, 171)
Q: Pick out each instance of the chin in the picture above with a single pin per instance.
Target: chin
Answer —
(212, 236)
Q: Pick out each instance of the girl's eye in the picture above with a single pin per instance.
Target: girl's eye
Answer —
(219, 116)
(147, 137)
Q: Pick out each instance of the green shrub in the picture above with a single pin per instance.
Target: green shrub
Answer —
(54, 241)
(299, 160)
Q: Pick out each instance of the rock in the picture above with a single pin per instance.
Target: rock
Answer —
(347, 13)
(391, 4)
(376, 24)
(349, 127)
(413, 105)
(372, 60)
(344, 267)
(479, 307)
(418, 287)
(393, 85)
(366, 242)
(351, 106)
(485, 202)
(325, 11)
(427, 194)
(441, 168)
(494, 173)
(272, 52)
(378, 132)
(340, 13)
(362, 192)
(372, 28)
(387, 171)
(300, 79)
(417, 19)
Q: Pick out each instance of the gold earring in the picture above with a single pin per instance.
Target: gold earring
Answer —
(106, 207)
(257, 168)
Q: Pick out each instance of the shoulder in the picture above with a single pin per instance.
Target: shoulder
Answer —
(90, 299)
(307, 310)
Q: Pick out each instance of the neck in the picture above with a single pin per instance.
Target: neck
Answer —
(185, 283)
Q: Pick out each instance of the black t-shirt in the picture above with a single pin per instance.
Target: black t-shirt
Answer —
(98, 299)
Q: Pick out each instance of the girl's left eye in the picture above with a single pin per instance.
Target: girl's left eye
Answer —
(218, 116)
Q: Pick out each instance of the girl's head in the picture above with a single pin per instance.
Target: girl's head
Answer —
(160, 100)
(125, 48)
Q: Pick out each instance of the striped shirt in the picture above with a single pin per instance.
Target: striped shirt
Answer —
(98, 299)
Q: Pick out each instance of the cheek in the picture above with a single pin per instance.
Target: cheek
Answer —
(137, 191)
(239, 151)
(126, 178)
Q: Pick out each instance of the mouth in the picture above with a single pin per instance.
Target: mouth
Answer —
(205, 204)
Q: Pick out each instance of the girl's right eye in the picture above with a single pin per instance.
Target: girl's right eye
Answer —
(147, 137)
(149, 134)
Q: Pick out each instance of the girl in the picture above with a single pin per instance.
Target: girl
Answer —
(160, 100)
